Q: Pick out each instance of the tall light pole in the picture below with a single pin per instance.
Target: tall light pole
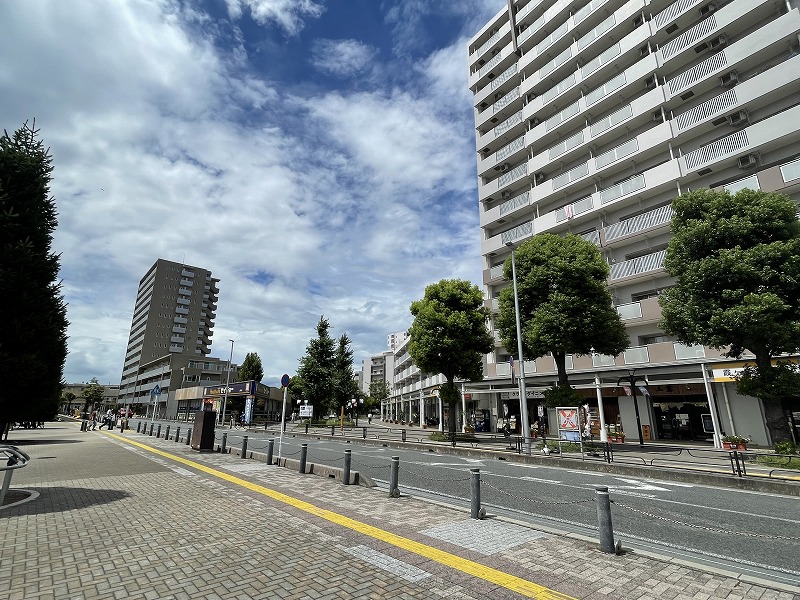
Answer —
(523, 395)
(227, 385)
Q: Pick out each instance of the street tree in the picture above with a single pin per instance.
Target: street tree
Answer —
(251, 369)
(378, 392)
(92, 395)
(449, 336)
(736, 258)
(565, 305)
(33, 330)
(345, 388)
(316, 370)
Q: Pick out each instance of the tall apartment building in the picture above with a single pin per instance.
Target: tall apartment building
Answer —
(170, 336)
(591, 117)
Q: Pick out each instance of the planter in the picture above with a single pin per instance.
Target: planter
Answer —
(616, 439)
(734, 446)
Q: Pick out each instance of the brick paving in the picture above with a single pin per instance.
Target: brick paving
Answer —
(113, 521)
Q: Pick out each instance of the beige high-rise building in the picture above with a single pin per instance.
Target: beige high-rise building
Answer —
(591, 117)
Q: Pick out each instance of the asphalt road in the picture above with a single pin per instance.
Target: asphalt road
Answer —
(745, 531)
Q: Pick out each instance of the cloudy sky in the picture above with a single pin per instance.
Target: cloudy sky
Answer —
(316, 155)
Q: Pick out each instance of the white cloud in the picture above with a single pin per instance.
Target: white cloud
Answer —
(166, 145)
(289, 15)
(344, 58)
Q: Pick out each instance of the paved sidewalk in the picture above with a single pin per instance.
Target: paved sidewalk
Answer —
(111, 519)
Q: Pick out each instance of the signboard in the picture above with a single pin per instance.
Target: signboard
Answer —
(248, 409)
(285, 380)
(568, 419)
(156, 391)
(515, 395)
(240, 388)
(306, 411)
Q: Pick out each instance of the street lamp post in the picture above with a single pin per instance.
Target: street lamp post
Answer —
(227, 385)
(523, 396)
(631, 379)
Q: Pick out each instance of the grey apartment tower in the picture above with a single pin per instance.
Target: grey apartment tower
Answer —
(171, 330)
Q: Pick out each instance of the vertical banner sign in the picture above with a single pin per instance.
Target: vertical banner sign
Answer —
(248, 409)
(285, 385)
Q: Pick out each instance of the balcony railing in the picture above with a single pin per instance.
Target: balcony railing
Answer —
(496, 271)
(683, 352)
(649, 220)
(513, 174)
(636, 355)
(516, 202)
(622, 189)
(632, 310)
(488, 43)
(509, 149)
(639, 265)
(503, 77)
(490, 65)
(187, 282)
(506, 100)
(570, 210)
(518, 232)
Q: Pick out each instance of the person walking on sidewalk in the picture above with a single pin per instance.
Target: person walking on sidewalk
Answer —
(93, 420)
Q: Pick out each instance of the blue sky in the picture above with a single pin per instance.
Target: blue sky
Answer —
(316, 155)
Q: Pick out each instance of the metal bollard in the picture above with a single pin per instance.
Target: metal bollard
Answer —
(475, 510)
(394, 490)
(244, 448)
(177, 433)
(604, 525)
(138, 426)
(152, 426)
(158, 431)
(188, 438)
(403, 435)
(306, 426)
(166, 433)
(270, 448)
(223, 450)
(346, 470)
(303, 453)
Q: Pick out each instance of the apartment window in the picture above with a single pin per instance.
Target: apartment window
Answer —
(644, 340)
(740, 184)
(791, 171)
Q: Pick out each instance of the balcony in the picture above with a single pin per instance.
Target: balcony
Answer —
(181, 320)
(187, 282)
(638, 266)
(185, 291)
(184, 301)
(178, 329)
(181, 311)
(175, 348)
(187, 273)
(178, 339)
(660, 217)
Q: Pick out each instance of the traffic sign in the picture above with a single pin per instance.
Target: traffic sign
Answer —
(285, 380)
(156, 391)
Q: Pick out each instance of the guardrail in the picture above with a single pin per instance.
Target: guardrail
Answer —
(15, 459)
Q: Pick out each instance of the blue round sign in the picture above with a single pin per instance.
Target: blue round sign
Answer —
(285, 380)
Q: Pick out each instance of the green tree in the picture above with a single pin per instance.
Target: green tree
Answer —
(316, 369)
(378, 392)
(251, 369)
(737, 263)
(565, 304)
(449, 336)
(33, 330)
(345, 387)
(92, 395)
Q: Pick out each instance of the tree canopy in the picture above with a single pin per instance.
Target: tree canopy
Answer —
(449, 335)
(33, 339)
(325, 376)
(251, 369)
(565, 304)
(92, 394)
(737, 263)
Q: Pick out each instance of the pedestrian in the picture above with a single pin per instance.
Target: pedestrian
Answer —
(93, 419)
(369, 418)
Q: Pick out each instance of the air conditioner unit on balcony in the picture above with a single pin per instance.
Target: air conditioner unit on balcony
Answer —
(707, 9)
(539, 178)
(738, 118)
(729, 79)
(638, 20)
(505, 167)
(748, 162)
(506, 195)
(650, 82)
(535, 121)
(498, 95)
(530, 96)
(658, 117)
(718, 42)
(644, 50)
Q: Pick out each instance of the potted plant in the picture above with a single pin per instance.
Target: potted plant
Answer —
(616, 437)
(735, 442)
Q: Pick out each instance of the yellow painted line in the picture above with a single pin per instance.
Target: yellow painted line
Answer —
(506, 580)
